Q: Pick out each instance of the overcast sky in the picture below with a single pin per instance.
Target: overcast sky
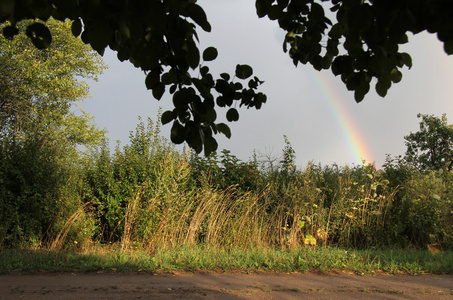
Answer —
(314, 110)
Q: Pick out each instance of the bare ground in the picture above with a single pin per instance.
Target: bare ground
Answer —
(235, 285)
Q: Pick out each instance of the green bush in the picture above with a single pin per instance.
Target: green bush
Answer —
(138, 171)
(225, 171)
(30, 181)
(39, 190)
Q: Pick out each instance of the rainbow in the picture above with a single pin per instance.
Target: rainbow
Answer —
(350, 130)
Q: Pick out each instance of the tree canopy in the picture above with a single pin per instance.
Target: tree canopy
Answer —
(160, 37)
(39, 131)
(38, 87)
(431, 148)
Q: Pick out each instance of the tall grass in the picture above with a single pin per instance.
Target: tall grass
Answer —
(149, 197)
(164, 215)
(170, 212)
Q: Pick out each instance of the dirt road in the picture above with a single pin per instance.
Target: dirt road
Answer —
(224, 286)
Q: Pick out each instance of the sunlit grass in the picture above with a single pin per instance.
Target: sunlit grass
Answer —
(201, 258)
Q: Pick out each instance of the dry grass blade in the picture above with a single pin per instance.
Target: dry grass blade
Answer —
(60, 239)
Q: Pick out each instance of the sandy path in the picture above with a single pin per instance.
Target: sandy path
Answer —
(224, 286)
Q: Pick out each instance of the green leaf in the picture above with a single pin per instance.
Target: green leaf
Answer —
(210, 54)
(396, 75)
(243, 71)
(232, 115)
(76, 27)
(223, 128)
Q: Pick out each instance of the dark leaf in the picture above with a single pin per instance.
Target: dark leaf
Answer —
(123, 54)
(232, 115)
(243, 71)
(10, 31)
(262, 7)
(222, 86)
(360, 17)
(275, 12)
(194, 137)
(225, 76)
(40, 35)
(210, 146)
(316, 13)
(210, 54)
(382, 86)
(193, 55)
(396, 75)
(169, 77)
(448, 46)
(98, 37)
(152, 79)
(197, 14)
(283, 3)
(204, 70)
(158, 91)
(167, 117)
(223, 128)
(178, 133)
(260, 98)
(76, 27)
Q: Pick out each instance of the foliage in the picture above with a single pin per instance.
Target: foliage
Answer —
(225, 171)
(31, 177)
(431, 148)
(39, 134)
(143, 170)
(160, 38)
(40, 86)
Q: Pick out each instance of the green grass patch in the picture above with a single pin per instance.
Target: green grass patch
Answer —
(196, 258)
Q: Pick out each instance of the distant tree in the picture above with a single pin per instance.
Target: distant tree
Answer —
(38, 87)
(431, 148)
(39, 132)
(159, 36)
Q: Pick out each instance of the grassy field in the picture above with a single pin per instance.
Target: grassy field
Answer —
(198, 258)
